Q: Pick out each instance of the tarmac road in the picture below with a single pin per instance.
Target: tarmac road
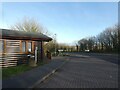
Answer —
(85, 70)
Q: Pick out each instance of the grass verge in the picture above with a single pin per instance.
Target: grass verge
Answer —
(13, 71)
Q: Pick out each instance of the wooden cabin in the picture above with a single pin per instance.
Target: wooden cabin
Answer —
(16, 45)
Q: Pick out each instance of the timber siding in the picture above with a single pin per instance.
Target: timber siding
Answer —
(12, 54)
(9, 56)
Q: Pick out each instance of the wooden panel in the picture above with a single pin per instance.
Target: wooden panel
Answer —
(12, 46)
(13, 60)
(10, 57)
(26, 46)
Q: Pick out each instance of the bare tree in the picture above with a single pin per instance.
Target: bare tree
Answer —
(83, 44)
(108, 40)
(28, 25)
(91, 43)
(32, 25)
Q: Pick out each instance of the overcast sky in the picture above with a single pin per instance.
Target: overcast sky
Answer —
(70, 21)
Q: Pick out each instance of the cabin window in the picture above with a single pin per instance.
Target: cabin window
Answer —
(30, 46)
(23, 46)
(1, 45)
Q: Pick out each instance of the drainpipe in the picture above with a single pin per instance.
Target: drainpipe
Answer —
(36, 54)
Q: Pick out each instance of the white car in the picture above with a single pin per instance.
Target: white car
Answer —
(87, 50)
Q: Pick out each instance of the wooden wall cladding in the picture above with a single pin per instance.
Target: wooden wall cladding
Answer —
(11, 55)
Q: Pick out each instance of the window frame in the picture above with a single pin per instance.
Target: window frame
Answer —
(24, 46)
(2, 46)
(30, 46)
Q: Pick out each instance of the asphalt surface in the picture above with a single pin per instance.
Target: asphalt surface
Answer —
(85, 71)
(113, 58)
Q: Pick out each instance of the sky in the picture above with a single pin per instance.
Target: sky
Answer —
(70, 21)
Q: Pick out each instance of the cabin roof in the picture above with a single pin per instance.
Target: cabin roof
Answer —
(21, 35)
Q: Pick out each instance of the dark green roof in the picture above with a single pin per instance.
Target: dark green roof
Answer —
(21, 35)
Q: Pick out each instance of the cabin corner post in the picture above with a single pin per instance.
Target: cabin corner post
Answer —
(39, 45)
(4, 47)
(33, 48)
(42, 55)
(27, 47)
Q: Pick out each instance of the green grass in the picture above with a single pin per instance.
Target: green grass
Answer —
(13, 71)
